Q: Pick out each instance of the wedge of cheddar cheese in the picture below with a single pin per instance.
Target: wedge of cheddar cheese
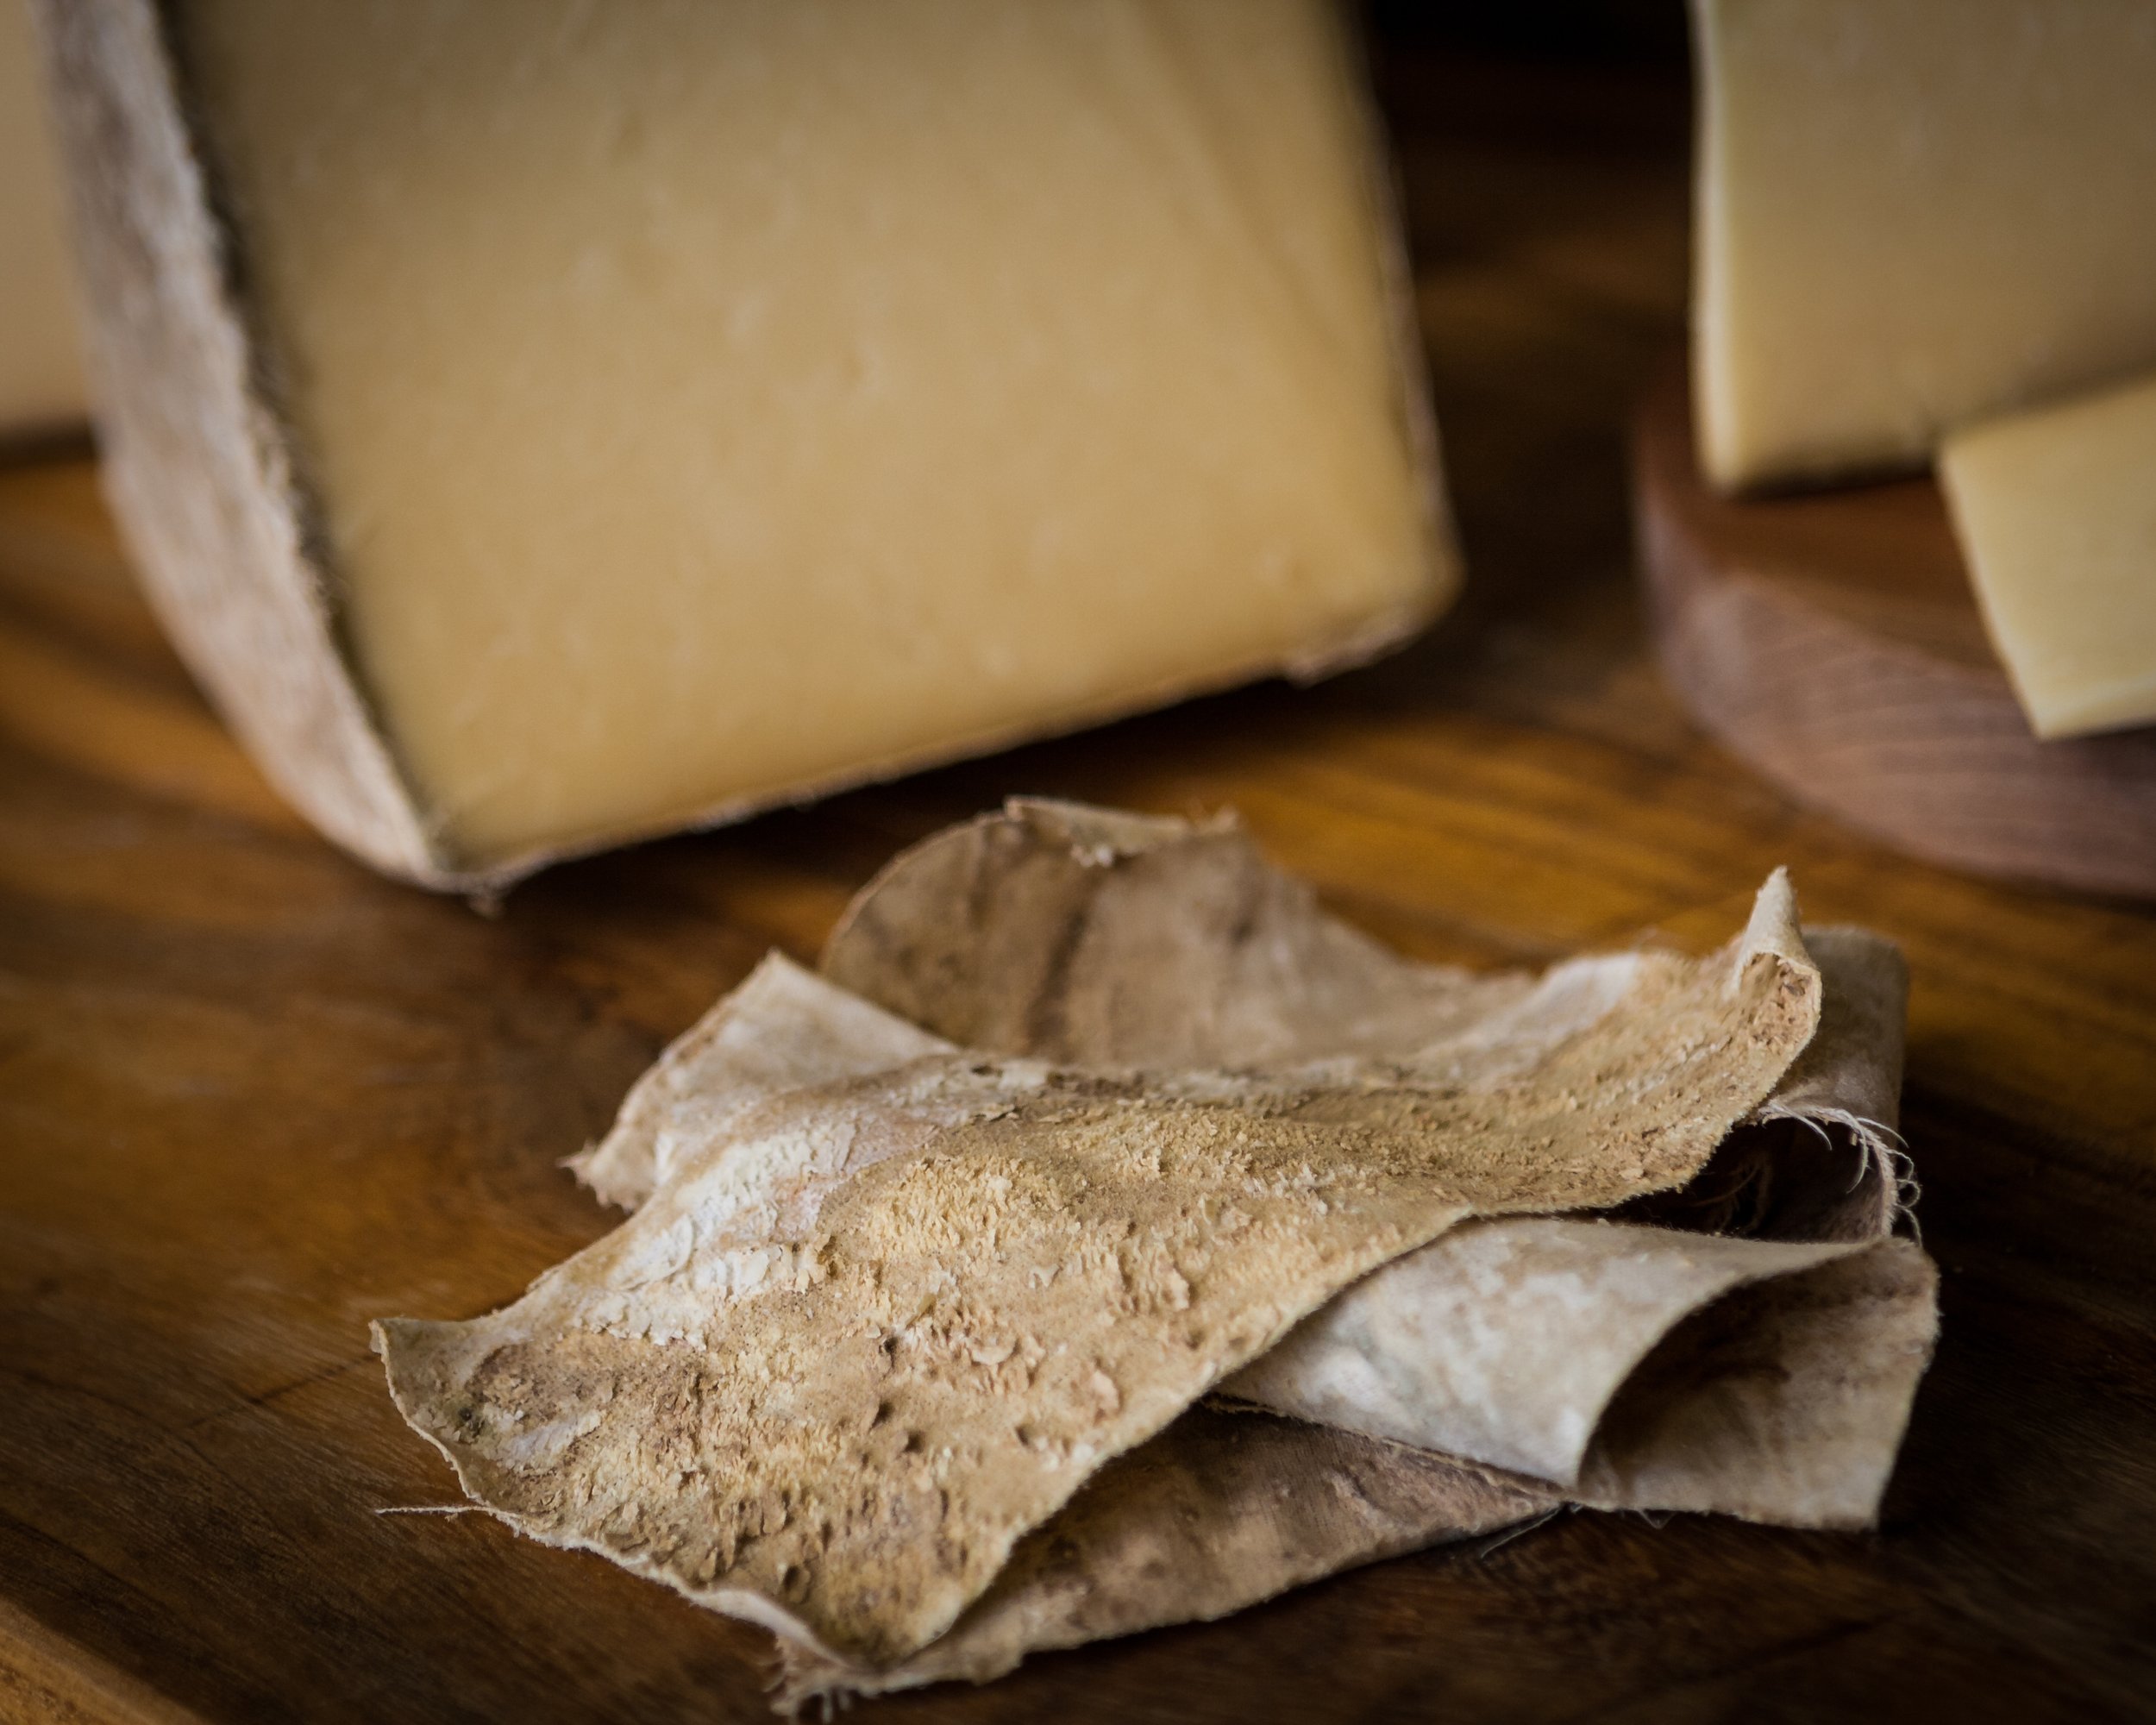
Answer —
(2056, 513)
(1914, 213)
(546, 424)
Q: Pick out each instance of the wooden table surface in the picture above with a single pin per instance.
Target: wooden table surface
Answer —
(250, 1096)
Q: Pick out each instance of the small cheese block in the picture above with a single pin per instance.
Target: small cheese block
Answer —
(2056, 513)
(1913, 213)
(549, 424)
(40, 366)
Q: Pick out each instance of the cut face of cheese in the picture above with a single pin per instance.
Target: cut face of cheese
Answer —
(2056, 513)
(1912, 213)
(697, 405)
(40, 364)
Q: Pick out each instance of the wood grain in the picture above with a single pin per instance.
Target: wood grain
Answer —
(1833, 641)
(251, 1095)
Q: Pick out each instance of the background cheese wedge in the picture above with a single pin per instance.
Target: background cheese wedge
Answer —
(665, 411)
(2056, 513)
(41, 365)
(1912, 213)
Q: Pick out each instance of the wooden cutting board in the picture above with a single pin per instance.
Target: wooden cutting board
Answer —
(1832, 640)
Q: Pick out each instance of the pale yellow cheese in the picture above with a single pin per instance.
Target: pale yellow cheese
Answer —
(1912, 213)
(40, 364)
(2056, 513)
(710, 401)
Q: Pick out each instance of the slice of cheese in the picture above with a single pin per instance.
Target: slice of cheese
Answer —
(2056, 513)
(673, 408)
(1912, 213)
(41, 365)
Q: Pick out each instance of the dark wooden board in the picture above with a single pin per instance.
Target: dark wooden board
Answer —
(1831, 639)
(250, 1096)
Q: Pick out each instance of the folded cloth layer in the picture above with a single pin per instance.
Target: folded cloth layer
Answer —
(1219, 1512)
(1512, 1342)
(889, 1304)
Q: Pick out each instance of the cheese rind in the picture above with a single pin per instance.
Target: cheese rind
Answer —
(1912, 213)
(2056, 513)
(672, 409)
(40, 364)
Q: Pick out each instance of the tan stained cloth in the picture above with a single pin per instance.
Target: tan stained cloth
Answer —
(1218, 1513)
(866, 1333)
(1578, 1353)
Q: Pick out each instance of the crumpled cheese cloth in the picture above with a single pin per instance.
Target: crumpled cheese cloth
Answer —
(1092, 1116)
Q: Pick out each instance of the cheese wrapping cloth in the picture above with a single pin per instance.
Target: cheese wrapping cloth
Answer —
(1105, 1110)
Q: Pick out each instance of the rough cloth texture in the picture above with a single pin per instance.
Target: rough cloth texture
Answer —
(888, 1306)
(1218, 1512)
(1575, 1352)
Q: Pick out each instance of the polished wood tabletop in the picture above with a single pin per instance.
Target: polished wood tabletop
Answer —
(251, 1096)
